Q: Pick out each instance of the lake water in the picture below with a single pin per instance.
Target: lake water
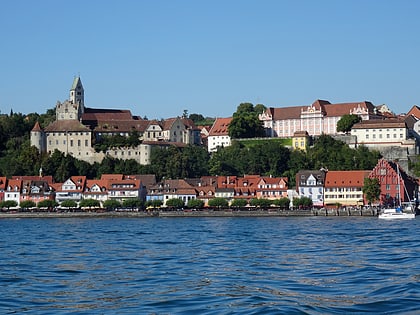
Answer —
(312, 265)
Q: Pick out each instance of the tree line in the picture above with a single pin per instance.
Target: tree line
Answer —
(264, 157)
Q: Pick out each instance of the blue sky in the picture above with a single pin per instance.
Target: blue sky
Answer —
(159, 58)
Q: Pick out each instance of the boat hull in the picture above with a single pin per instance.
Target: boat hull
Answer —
(396, 216)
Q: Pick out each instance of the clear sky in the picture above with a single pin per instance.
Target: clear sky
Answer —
(161, 57)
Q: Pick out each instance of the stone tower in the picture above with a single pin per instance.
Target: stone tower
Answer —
(74, 107)
(38, 138)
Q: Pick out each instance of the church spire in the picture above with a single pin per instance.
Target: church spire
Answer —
(77, 93)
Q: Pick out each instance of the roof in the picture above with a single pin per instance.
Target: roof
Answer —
(37, 127)
(414, 111)
(382, 123)
(75, 82)
(220, 127)
(345, 178)
(66, 125)
(328, 109)
(93, 114)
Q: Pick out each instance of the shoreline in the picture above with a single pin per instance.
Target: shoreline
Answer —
(191, 213)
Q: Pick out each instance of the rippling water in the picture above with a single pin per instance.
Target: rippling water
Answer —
(317, 265)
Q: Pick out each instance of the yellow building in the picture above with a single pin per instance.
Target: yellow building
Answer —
(300, 140)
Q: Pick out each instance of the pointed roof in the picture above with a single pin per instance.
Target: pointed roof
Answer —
(37, 127)
(76, 82)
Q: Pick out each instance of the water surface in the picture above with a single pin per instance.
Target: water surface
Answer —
(314, 265)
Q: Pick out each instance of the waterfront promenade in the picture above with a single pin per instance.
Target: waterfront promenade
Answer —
(192, 213)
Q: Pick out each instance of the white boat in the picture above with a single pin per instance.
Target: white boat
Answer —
(395, 213)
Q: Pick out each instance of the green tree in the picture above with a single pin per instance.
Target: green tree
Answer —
(371, 189)
(8, 204)
(239, 203)
(89, 203)
(47, 203)
(111, 204)
(245, 123)
(26, 204)
(155, 203)
(218, 202)
(133, 203)
(175, 203)
(302, 202)
(69, 204)
(346, 122)
(195, 203)
(282, 203)
(261, 202)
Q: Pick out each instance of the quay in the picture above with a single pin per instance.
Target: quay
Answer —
(192, 213)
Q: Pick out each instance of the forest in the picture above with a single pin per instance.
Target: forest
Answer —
(262, 157)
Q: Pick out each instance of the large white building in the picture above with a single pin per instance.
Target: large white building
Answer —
(319, 118)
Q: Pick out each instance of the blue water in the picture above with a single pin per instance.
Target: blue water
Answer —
(317, 265)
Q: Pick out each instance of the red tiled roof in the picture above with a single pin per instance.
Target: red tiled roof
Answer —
(37, 127)
(345, 178)
(220, 127)
(414, 111)
(328, 109)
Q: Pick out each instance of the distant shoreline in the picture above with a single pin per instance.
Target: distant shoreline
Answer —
(189, 213)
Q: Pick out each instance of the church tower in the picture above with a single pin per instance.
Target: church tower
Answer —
(77, 93)
(74, 107)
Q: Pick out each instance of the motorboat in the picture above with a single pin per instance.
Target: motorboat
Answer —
(396, 213)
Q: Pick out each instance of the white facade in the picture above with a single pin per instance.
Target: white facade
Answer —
(213, 142)
(381, 134)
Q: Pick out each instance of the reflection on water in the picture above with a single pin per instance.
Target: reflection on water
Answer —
(209, 265)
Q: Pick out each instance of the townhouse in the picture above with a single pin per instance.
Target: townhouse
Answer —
(344, 188)
(172, 188)
(310, 184)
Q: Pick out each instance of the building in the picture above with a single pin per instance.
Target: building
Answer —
(395, 183)
(377, 133)
(300, 140)
(310, 184)
(72, 189)
(219, 134)
(344, 188)
(170, 189)
(77, 129)
(319, 118)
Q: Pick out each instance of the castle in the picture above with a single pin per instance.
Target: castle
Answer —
(77, 128)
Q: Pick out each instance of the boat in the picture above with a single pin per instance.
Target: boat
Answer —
(398, 212)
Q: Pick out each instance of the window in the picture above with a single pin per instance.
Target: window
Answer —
(71, 142)
(86, 143)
